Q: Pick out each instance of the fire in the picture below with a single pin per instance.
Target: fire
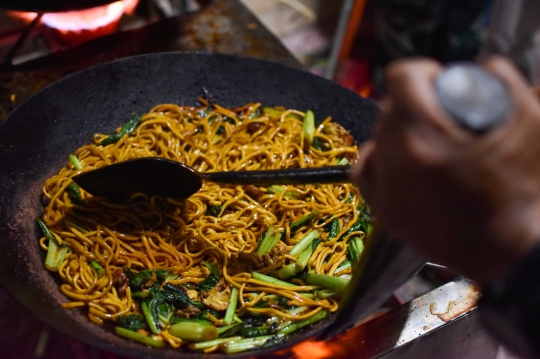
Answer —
(312, 350)
(80, 26)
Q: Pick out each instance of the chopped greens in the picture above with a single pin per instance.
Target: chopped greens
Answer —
(308, 128)
(356, 246)
(211, 280)
(193, 330)
(132, 321)
(74, 194)
(327, 281)
(214, 210)
(304, 242)
(75, 161)
(126, 129)
(99, 269)
(304, 221)
(55, 252)
(126, 333)
(229, 315)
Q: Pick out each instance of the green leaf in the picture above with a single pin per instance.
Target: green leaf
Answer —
(132, 321)
(99, 269)
(126, 333)
(213, 210)
(126, 129)
(213, 269)
(304, 221)
(309, 127)
(74, 194)
(75, 161)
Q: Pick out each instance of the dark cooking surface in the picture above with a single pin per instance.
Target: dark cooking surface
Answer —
(224, 27)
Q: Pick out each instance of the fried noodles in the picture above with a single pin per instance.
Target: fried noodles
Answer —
(221, 226)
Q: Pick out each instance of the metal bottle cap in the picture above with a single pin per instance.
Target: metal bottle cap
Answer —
(473, 97)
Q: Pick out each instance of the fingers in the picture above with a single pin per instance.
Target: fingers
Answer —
(411, 90)
(523, 98)
(362, 175)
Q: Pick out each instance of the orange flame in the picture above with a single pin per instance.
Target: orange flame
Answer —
(312, 350)
(80, 26)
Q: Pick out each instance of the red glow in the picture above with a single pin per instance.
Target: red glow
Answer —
(312, 350)
(80, 26)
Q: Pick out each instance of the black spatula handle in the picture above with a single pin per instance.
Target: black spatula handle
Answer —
(331, 174)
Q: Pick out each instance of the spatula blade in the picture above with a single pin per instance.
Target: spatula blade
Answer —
(151, 175)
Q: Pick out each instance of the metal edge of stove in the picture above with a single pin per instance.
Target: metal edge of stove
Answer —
(411, 323)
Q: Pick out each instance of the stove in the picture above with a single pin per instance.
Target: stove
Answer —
(433, 323)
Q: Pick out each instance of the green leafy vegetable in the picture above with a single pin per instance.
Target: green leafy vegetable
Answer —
(257, 331)
(316, 143)
(136, 280)
(75, 161)
(99, 269)
(363, 223)
(126, 333)
(255, 114)
(132, 321)
(272, 113)
(204, 112)
(289, 270)
(341, 161)
(304, 242)
(55, 252)
(193, 330)
(71, 223)
(304, 221)
(345, 265)
(148, 309)
(126, 129)
(309, 127)
(271, 280)
(230, 330)
(333, 228)
(205, 314)
(327, 281)
(304, 323)
(176, 295)
(276, 189)
(212, 279)
(237, 346)
(231, 309)
(213, 210)
(74, 194)
(356, 247)
(211, 343)
(268, 241)
(213, 269)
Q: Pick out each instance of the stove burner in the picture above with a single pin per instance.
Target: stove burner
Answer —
(75, 27)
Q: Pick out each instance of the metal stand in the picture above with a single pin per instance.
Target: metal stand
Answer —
(8, 60)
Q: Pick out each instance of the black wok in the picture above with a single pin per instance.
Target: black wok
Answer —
(37, 137)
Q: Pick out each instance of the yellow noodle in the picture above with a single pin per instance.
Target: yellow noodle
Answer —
(178, 234)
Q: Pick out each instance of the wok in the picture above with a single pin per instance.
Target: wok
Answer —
(37, 137)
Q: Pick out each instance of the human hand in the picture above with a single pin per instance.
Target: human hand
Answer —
(471, 201)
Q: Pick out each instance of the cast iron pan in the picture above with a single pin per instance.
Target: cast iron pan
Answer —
(37, 137)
